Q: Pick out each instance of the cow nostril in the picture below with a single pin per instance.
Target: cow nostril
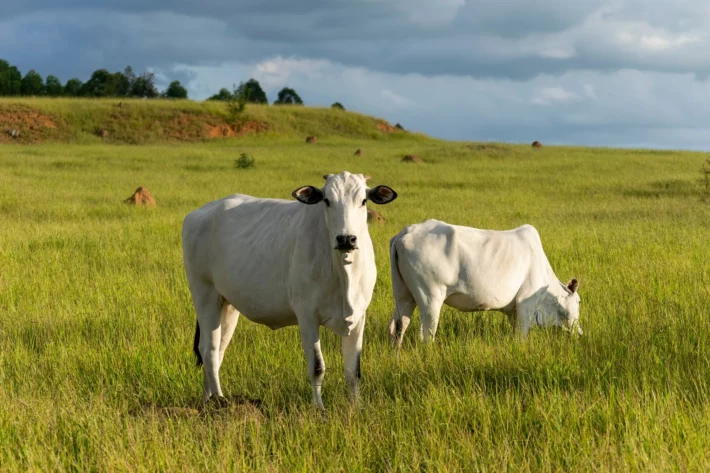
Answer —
(353, 240)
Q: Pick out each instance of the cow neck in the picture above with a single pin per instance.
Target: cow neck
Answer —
(348, 278)
(345, 275)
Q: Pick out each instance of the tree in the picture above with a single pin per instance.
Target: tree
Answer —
(338, 105)
(73, 87)
(252, 91)
(223, 95)
(101, 84)
(143, 86)
(288, 96)
(125, 81)
(176, 91)
(32, 83)
(15, 82)
(4, 77)
(53, 86)
(10, 79)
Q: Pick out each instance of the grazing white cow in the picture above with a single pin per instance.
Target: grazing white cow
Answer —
(282, 263)
(434, 263)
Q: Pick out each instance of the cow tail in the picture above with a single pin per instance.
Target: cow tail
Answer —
(403, 298)
(196, 344)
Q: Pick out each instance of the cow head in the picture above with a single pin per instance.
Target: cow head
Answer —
(569, 307)
(343, 199)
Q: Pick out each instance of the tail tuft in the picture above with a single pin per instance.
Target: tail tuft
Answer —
(196, 344)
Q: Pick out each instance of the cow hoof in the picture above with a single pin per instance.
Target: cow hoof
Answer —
(217, 402)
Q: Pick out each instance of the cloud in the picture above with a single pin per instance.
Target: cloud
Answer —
(623, 108)
(467, 69)
(549, 95)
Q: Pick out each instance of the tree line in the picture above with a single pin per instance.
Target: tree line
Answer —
(102, 83)
(251, 92)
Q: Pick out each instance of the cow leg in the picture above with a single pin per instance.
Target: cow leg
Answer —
(525, 315)
(429, 315)
(400, 321)
(209, 314)
(352, 349)
(229, 319)
(310, 339)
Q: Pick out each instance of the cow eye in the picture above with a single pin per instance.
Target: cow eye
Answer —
(364, 201)
(327, 202)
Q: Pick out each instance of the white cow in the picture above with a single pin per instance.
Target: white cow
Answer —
(434, 263)
(283, 263)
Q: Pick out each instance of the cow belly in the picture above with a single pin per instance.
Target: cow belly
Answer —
(261, 307)
(469, 303)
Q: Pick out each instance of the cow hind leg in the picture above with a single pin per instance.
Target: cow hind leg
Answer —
(429, 310)
(310, 339)
(403, 311)
(208, 305)
(229, 319)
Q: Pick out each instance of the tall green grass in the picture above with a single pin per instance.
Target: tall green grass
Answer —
(96, 322)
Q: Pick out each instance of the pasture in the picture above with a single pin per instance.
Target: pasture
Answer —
(96, 321)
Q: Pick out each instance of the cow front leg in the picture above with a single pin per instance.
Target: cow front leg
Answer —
(352, 350)
(310, 339)
(525, 316)
(208, 305)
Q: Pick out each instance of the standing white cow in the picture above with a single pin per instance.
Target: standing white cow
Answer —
(283, 263)
(434, 263)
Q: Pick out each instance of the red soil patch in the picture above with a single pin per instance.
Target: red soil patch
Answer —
(224, 130)
(386, 128)
(33, 126)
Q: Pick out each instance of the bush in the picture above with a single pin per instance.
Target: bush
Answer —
(399, 127)
(338, 106)
(245, 161)
(236, 104)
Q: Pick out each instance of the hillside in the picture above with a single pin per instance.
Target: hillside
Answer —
(156, 121)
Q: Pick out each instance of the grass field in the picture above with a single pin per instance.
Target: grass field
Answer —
(96, 322)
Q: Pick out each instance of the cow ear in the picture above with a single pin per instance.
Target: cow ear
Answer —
(326, 176)
(366, 177)
(308, 195)
(381, 195)
(573, 285)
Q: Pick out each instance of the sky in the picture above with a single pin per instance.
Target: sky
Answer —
(630, 73)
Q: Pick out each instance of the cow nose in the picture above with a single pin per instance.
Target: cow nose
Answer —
(346, 242)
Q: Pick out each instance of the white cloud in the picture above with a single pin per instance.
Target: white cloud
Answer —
(549, 95)
(558, 53)
(396, 99)
(663, 43)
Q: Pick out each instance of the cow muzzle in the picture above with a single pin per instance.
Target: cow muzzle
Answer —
(346, 243)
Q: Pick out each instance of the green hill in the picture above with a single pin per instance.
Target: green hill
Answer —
(156, 121)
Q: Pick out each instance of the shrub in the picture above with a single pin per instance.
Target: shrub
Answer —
(338, 106)
(399, 127)
(245, 161)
